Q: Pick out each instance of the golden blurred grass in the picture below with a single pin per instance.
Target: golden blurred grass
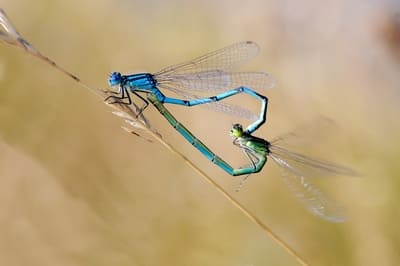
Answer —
(77, 190)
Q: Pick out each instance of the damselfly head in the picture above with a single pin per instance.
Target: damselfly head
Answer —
(115, 79)
(236, 131)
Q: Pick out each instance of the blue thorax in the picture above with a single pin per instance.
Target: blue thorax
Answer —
(139, 82)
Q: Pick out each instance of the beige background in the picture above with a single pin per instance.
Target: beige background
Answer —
(78, 190)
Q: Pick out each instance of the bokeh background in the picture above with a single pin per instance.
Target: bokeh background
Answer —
(78, 190)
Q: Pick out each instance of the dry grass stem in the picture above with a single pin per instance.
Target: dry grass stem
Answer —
(129, 113)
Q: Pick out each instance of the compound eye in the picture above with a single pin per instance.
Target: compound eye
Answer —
(115, 79)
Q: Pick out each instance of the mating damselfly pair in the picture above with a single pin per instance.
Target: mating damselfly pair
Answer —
(214, 72)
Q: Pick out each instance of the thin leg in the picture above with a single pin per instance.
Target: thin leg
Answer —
(253, 163)
(119, 97)
(124, 94)
(146, 103)
(246, 151)
(257, 160)
(241, 183)
(250, 158)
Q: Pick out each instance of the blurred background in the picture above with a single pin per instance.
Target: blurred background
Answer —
(78, 190)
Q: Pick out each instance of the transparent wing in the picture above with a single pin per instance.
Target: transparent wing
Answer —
(308, 134)
(212, 72)
(310, 166)
(229, 109)
(224, 59)
(216, 80)
(311, 197)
